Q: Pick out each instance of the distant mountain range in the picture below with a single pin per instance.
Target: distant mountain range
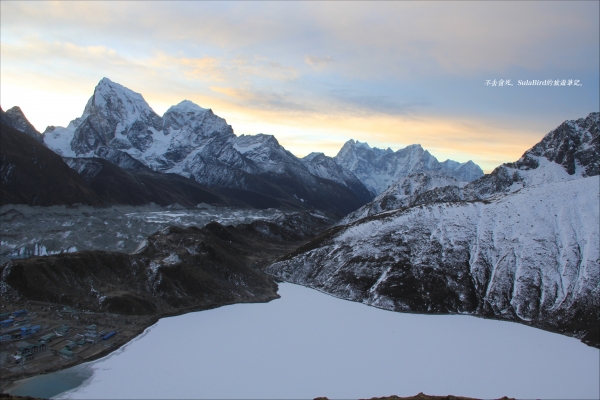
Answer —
(568, 152)
(378, 169)
(118, 125)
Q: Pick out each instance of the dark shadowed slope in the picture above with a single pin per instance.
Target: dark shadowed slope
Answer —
(15, 118)
(114, 185)
(172, 270)
(34, 175)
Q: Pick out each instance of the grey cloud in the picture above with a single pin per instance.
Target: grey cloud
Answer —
(317, 61)
(380, 104)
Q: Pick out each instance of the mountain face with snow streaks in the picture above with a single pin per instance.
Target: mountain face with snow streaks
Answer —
(325, 167)
(575, 145)
(531, 256)
(378, 169)
(115, 116)
(414, 188)
(571, 151)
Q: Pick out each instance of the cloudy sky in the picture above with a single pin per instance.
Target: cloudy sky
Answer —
(316, 74)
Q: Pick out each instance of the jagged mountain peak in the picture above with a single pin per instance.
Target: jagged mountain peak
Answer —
(15, 117)
(455, 165)
(119, 126)
(187, 106)
(377, 169)
(312, 156)
(110, 96)
(16, 110)
(569, 152)
(364, 145)
(259, 138)
(574, 144)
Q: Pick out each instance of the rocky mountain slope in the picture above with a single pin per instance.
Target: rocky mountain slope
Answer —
(174, 269)
(119, 126)
(407, 191)
(15, 118)
(32, 174)
(571, 151)
(115, 185)
(377, 169)
(325, 167)
(531, 256)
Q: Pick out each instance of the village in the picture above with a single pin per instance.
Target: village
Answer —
(38, 337)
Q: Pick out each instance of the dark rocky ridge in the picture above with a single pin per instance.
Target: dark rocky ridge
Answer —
(174, 269)
(34, 175)
(115, 185)
(15, 118)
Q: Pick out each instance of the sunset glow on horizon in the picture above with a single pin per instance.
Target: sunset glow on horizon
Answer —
(316, 74)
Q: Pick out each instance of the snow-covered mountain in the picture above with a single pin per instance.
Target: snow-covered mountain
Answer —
(407, 191)
(15, 118)
(325, 167)
(530, 256)
(377, 169)
(464, 172)
(117, 118)
(571, 151)
(119, 126)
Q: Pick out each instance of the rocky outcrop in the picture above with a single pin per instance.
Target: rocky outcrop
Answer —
(174, 269)
(410, 190)
(15, 118)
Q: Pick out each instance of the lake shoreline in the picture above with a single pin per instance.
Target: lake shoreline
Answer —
(8, 382)
(309, 344)
(589, 340)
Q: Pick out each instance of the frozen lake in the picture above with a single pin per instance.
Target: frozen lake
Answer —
(309, 344)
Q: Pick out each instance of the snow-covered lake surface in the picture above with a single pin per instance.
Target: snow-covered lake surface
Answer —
(309, 344)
